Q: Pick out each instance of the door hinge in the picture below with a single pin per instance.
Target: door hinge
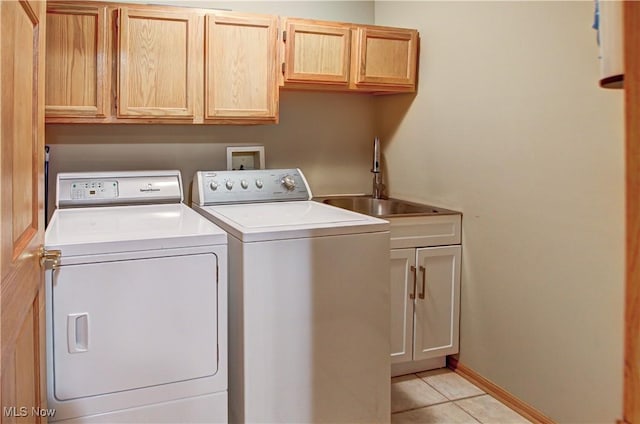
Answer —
(284, 35)
(49, 259)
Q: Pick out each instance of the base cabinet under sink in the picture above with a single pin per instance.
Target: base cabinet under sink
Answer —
(425, 293)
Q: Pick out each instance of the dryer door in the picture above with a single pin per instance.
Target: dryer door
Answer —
(129, 324)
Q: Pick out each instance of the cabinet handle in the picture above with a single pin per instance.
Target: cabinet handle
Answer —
(413, 295)
(423, 270)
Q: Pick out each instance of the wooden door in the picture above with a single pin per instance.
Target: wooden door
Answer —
(437, 302)
(157, 63)
(632, 311)
(240, 67)
(317, 52)
(386, 57)
(77, 66)
(403, 279)
(21, 209)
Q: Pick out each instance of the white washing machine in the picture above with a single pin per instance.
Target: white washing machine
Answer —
(308, 301)
(136, 309)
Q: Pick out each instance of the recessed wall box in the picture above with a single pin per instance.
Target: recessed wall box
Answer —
(245, 157)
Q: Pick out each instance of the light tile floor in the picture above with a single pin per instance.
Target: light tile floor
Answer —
(442, 396)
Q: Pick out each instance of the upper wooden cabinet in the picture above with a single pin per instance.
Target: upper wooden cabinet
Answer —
(157, 64)
(77, 61)
(124, 63)
(241, 79)
(316, 52)
(340, 56)
(386, 57)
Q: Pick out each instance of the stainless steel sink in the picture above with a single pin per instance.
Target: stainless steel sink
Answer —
(384, 207)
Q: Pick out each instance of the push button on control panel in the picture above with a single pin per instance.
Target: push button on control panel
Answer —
(94, 189)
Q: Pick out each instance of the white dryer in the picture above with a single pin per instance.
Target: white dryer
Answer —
(136, 308)
(308, 301)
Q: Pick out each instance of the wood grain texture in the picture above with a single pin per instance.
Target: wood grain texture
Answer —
(22, 68)
(77, 71)
(386, 57)
(156, 76)
(241, 68)
(317, 52)
(499, 393)
(632, 311)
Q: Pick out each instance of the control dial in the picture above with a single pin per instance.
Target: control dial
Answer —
(259, 183)
(229, 184)
(213, 185)
(244, 184)
(288, 182)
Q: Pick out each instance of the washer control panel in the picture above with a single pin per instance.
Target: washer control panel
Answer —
(249, 186)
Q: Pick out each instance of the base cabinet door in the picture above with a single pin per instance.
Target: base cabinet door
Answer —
(436, 317)
(403, 285)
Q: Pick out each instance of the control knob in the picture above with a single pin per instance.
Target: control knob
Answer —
(229, 184)
(288, 182)
(259, 183)
(213, 185)
(244, 184)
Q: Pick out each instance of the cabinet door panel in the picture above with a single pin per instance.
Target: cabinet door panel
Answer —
(241, 69)
(76, 66)
(387, 57)
(318, 53)
(402, 286)
(437, 302)
(156, 73)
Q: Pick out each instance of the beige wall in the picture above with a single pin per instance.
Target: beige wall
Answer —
(327, 135)
(510, 127)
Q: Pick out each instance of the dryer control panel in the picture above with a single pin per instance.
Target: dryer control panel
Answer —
(249, 186)
(77, 189)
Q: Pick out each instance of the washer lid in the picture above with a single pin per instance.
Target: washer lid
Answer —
(115, 229)
(285, 220)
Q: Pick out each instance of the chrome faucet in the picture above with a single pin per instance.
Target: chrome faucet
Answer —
(378, 186)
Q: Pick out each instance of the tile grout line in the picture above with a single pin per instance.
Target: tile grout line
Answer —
(453, 400)
(442, 403)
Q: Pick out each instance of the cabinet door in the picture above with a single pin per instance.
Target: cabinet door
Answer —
(386, 57)
(403, 288)
(77, 69)
(317, 52)
(156, 73)
(241, 69)
(437, 302)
